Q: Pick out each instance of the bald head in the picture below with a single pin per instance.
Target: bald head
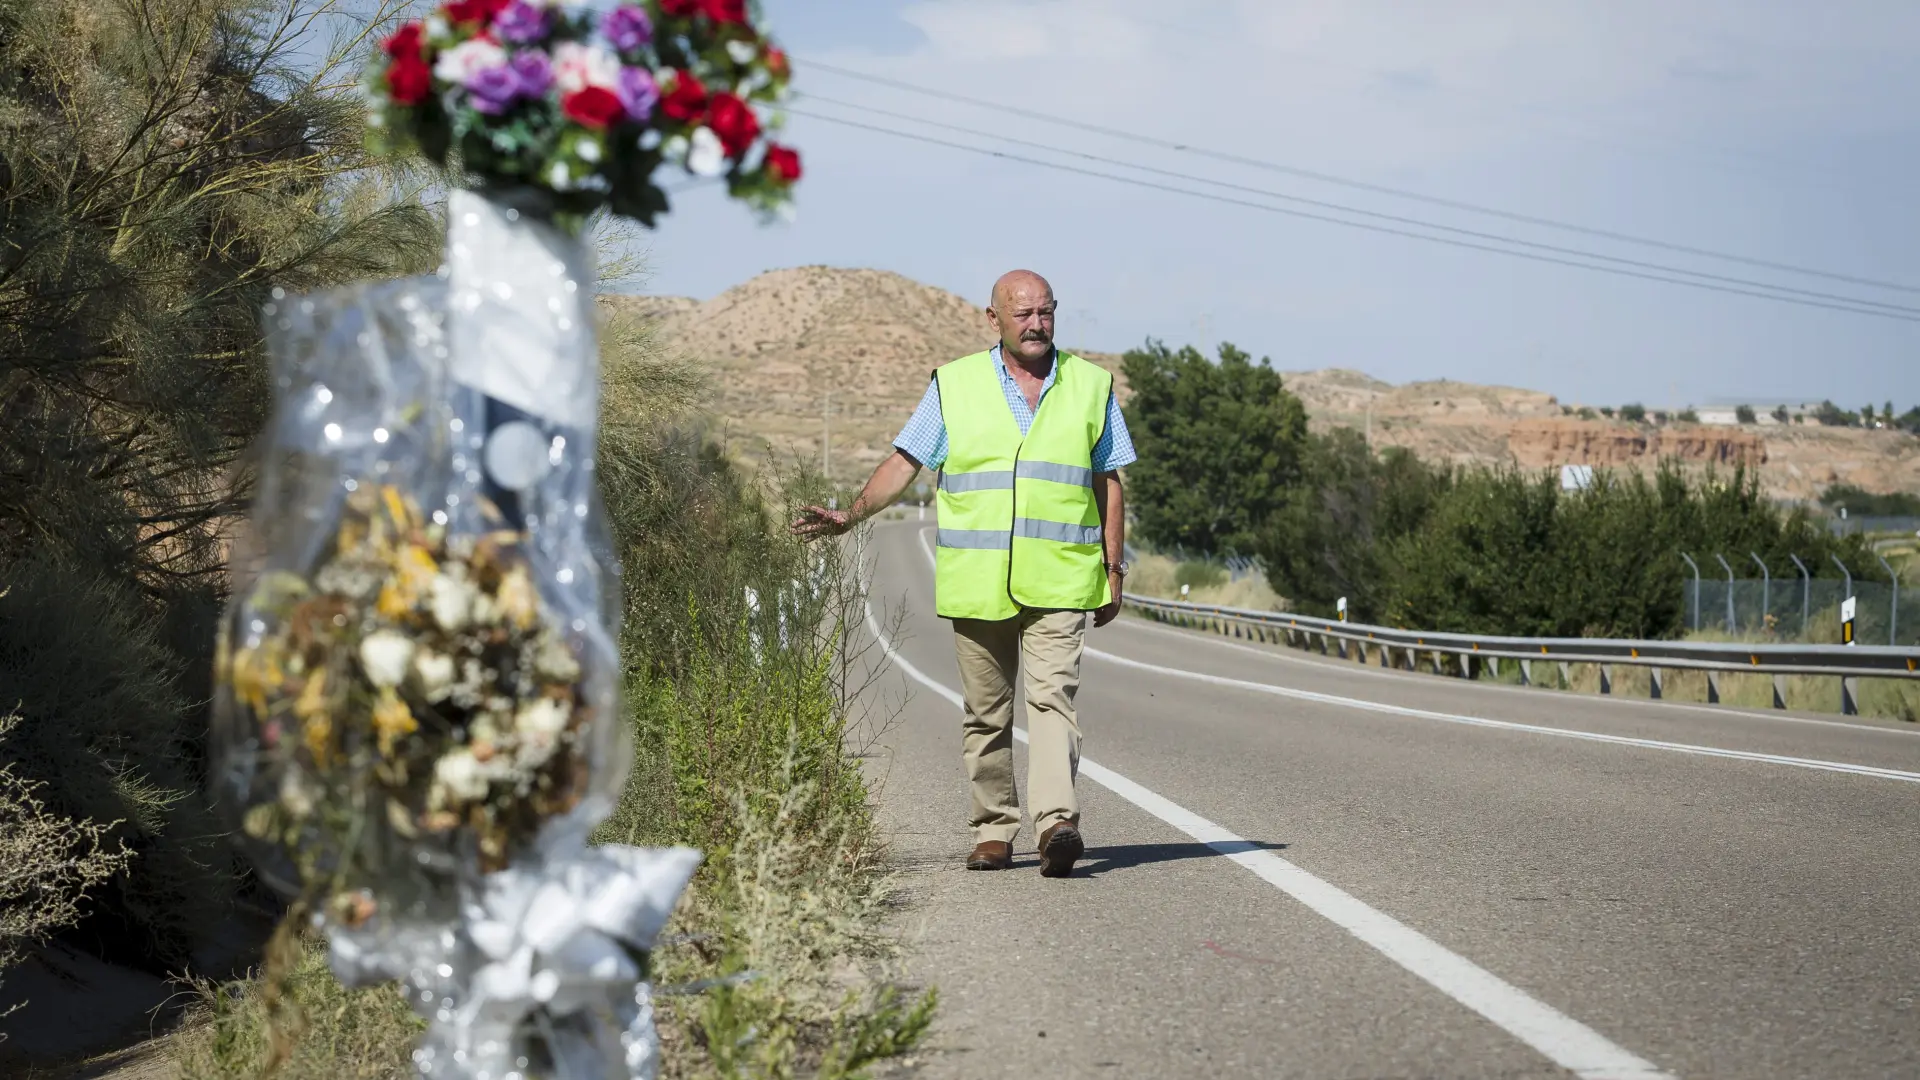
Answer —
(1021, 311)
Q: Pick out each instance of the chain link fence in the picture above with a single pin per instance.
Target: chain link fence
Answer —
(1796, 609)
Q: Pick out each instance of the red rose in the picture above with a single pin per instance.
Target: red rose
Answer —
(687, 100)
(726, 11)
(783, 163)
(777, 63)
(409, 80)
(593, 106)
(475, 11)
(404, 42)
(680, 9)
(733, 120)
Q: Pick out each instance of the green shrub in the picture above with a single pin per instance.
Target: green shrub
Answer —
(1218, 442)
(1200, 575)
(1634, 413)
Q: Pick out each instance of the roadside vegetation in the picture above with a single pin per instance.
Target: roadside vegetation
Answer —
(1228, 467)
(166, 163)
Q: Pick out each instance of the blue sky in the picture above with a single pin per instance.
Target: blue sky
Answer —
(1777, 129)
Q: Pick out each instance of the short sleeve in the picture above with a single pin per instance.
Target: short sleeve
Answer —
(1115, 450)
(924, 439)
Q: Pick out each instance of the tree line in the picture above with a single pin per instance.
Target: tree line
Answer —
(1228, 465)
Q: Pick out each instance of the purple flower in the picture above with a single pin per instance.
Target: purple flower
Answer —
(493, 89)
(520, 23)
(534, 72)
(627, 28)
(638, 92)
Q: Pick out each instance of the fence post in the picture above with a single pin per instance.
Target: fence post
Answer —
(1845, 595)
(1806, 593)
(1766, 589)
(1695, 620)
(1893, 610)
(1729, 570)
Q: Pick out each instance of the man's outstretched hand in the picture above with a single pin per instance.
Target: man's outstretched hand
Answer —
(818, 521)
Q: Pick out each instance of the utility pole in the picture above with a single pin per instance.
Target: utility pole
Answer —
(826, 436)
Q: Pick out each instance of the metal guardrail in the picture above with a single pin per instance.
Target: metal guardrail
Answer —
(1469, 652)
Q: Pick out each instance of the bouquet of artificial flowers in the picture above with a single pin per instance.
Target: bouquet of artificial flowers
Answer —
(543, 93)
(417, 714)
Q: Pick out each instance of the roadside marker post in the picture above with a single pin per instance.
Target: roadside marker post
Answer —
(1846, 621)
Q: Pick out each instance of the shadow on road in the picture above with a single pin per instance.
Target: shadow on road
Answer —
(1101, 860)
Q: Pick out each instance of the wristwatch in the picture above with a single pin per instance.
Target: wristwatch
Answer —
(1120, 567)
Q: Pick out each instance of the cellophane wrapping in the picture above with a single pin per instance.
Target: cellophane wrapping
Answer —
(418, 719)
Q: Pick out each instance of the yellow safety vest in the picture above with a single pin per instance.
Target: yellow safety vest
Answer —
(1018, 526)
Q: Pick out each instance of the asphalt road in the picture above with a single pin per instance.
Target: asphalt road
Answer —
(1300, 868)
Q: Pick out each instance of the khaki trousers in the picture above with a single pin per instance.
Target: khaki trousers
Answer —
(1046, 644)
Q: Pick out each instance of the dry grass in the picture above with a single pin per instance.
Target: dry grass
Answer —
(1162, 576)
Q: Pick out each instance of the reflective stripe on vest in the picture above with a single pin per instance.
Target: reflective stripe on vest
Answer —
(1018, 524)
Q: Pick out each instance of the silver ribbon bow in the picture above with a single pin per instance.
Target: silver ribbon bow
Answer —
(544, 975)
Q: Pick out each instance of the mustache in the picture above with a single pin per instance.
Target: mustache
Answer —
(1034, 335)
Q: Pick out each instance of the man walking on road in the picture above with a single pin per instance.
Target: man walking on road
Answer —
(1029, 442)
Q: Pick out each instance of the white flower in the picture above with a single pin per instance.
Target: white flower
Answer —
(538, 725)
(555, 662)
(587, 150)
(452, 602)
(460, 776)
(543, 717)
(577, 66)
(705, 156)
(675, 149)
(741, 51)
(384, 656)
(435, 674)
(464, 60)
(558, 178)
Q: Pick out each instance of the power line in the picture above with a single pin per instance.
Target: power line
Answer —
(1369, 227)
(1784, 290)
(1362, 185)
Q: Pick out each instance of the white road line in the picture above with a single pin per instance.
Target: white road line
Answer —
(1505, 725)
(1565, 1041)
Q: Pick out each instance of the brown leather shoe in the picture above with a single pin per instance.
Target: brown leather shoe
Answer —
(1060, 847)
(991, 855)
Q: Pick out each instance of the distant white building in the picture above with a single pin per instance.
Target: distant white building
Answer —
(1718, 414)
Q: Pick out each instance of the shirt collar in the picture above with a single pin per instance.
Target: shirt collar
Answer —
(1000, 366)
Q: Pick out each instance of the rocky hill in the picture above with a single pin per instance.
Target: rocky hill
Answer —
(802, 353)
(1470, 424)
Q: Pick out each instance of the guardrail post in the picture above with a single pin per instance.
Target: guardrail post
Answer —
(1323, 644)
(1526, 673)
(1469, 670)
(1386, 656)
(1493, 666)
(1779, 691)
(1653, 684)
(1566, 675)
(1606, 678)
(1713, 687)
(1342, 644)
(1849, 699)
